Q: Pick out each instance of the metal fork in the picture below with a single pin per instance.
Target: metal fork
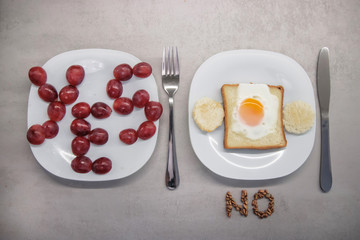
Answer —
(170, 74)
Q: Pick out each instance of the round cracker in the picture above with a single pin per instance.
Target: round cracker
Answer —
(208, 114)
(298, 117)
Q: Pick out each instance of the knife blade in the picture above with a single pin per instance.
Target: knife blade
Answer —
(323, 88)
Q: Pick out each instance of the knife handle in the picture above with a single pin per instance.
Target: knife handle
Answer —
(325, 165)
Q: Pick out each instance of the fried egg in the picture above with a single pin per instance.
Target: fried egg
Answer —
(256, 111)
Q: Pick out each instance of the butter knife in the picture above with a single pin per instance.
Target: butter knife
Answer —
(323, 88)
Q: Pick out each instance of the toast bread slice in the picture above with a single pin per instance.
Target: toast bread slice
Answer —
(234, 140)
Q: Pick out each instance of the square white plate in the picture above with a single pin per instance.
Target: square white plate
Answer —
(256, 66)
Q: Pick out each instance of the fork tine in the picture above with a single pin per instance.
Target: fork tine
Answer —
(169, 65)
(176, 64)
(163, 66)
(172, 62)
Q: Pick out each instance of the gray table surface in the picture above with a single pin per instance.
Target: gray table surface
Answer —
(36, 205)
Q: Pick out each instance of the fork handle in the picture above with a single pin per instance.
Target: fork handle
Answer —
(172, 178)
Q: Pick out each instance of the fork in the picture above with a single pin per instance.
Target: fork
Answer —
(170, 74)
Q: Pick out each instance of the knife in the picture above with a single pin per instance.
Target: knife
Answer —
(323, 88)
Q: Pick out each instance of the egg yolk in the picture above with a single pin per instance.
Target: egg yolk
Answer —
(251, 111)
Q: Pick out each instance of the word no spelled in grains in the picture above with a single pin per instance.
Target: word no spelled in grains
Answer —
(243, 209)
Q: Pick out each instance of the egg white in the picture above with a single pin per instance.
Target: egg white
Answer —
(260, 92)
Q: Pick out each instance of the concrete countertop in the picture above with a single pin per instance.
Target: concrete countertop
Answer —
(36, 205)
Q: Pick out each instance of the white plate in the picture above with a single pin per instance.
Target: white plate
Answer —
(256, 66)
(55, 154)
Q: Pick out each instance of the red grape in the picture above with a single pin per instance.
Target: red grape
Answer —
(123, 72)
(37, 76)
(81, 110)
(80, 146)
(68, 94)
(75, 74)
(100, 110)
(51, 129)
(102, 165)
(81, 164)
(114, 88)
(36, 134)
(146, 130)
(128, 136)
(80, 127)
(142, 70)
(47, 92)
(123, 105)
(56, 111)
(140, 98)
(153, 110)
(98, 136)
